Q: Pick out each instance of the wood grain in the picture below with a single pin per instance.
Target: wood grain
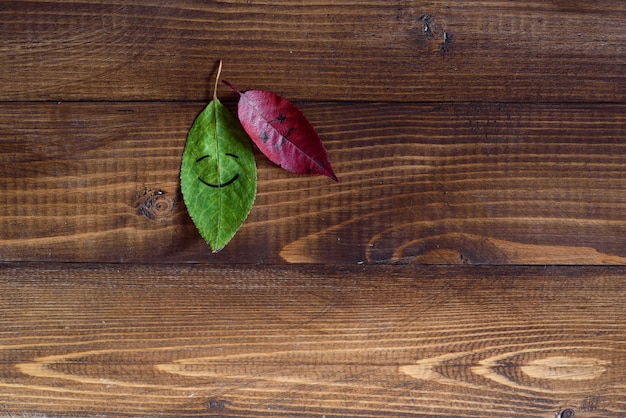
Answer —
(447, 183)
(462, 133)
(502, 51)
(197, 341)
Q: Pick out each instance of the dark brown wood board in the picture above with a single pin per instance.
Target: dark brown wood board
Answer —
(446, 183)
(373, 50)
(470, 262)
(295, 341)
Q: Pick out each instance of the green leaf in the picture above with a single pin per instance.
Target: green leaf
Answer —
(218, 174)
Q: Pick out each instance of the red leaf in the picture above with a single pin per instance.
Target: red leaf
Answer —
(282, 133)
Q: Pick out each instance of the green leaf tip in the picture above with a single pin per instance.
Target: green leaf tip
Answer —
(218, 173)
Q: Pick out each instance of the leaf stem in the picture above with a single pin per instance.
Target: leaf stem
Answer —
(217, 79)
(232, 87)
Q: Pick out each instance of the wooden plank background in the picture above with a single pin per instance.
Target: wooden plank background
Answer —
(446, 183)
(370, 50)
(463, 133)
(312, 341)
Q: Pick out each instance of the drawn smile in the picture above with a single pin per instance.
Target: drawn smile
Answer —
(219, 185)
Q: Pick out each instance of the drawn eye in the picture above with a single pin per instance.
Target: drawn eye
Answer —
(208, 156)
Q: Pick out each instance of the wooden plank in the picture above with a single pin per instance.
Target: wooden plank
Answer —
(367, 50)
(197, 341)
(452, 183)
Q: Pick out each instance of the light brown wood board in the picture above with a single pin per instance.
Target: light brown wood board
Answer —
(188, 340)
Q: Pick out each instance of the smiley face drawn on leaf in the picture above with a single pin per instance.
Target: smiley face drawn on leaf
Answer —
(218, 174)
(218, 185)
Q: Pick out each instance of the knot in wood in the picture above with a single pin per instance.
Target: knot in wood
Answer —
(156, 204)
(566, 413)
